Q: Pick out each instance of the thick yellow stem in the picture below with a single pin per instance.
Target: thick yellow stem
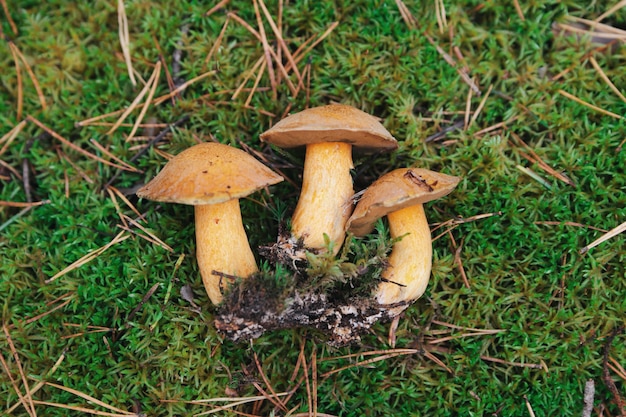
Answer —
(222, 246)
(410, 261)
(324, 205)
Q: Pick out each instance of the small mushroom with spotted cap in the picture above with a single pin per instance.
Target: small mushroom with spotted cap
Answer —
(329, 133)
(213, 177)
(400, 195)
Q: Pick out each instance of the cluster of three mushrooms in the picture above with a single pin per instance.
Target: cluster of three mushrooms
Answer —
(212, 177)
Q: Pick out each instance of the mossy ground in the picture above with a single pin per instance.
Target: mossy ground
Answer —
(558, 308)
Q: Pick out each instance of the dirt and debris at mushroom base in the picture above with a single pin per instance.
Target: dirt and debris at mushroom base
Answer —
(331, 294)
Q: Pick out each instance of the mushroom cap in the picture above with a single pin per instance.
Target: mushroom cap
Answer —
(331, 123)
(208, 173)
(396, 190)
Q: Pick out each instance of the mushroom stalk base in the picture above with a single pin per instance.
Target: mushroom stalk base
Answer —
(410, 261)
(222, 247)
(341, 323)
(325, 202)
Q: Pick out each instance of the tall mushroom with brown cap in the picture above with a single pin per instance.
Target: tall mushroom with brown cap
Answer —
(329, 133)
(400, 196)
(213, 177)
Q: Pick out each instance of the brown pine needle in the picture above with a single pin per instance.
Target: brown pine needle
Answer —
(218, 41)
(463, 335)
(155, 82)
(517, 364)
(608, 235)
(70, 144)
(440, 12)
(152, 236)
(52, 310)
(20, 396)
(518, 10)
(241, 87)
(281, 42)
(90, 256)
(82, 173)
(408, 18)
(617, 368)
(31, 74)
(133, 105)
(266, 49)
(299, 57)
(40, 384)
(278, 402)
(529, 407)
(8, 16)
(256, 83)
(125, 39)
(218, 6)
(10, 136)
(612, 10)
(458, 261)
(28, 397)
(480, 105)
(575, 224)
(85, 410)
(20, 88)
(125, 200)
(533, 157)
(118, 209)
(305, 372)
(391, 354)
(127, 166)
(606, 79)
(468, 109)
(22, 204)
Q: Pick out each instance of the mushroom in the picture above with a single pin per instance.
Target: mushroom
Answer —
(213, 177)
(329, 133)
(400, 196)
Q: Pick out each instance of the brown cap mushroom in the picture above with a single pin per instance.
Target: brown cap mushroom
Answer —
(329, 133)
(400, 196)
(213, 177)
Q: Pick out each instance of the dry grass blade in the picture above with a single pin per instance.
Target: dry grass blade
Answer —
(459, 336)
(440, 12)
(125, 200)
(8, 16)
(537, 159)
(143, 229)
(31, 74)
(468, 109)
(218, 41)
(617, 368)
(221, 4)
(127, 166)
(608, 235)
(391, 354)
(438, 361)
(266, 49)
(89, 257)
(597, 31)
(256, 83)
(40, 384)
(85, 410)
(88, 398)
(518, 364)
(181, 88)
(612, 10)
(529, 407)
(234, 402)
(20, 87)
(241, 87)
(27, 400)
(155, 82)
(21, 204)
(606, 79)
(281, 42)
(278, 402)
(70, 144)
(10, 136)
(125, 39)
(133, 105)
(518, 10)
(480, 106)
(408, 18)
(575, 224)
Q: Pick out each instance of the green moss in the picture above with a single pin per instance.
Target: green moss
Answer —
(526, 276)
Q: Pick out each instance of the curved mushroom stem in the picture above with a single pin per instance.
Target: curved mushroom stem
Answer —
(324, 205)
(410, 261)
(222, 246)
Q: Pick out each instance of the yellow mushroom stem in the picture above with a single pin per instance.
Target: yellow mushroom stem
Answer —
(222, 246)
(325, 203)
(410, 261)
